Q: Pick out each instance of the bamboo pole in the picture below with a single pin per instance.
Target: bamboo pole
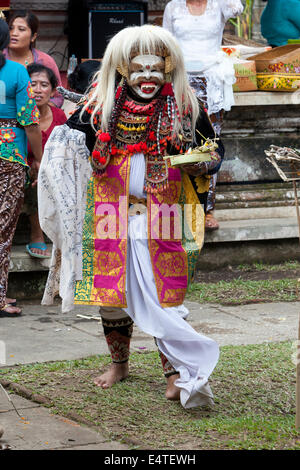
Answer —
(297, 206)
(298, 342)
(298, 380)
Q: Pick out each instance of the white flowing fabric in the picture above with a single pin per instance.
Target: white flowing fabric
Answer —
(193, 355)
(200, 38)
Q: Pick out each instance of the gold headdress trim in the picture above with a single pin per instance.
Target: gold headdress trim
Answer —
(123, 70)
(169, 64)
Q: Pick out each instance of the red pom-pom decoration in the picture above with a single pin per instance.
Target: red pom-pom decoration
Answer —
(104, 137)
(167, 90)
(144, 147)
(130, 148)
(96, 154)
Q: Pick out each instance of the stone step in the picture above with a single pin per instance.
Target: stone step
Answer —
(245, 230)
(256, 213)
(255, 196)
(21, 261)
(234, 230)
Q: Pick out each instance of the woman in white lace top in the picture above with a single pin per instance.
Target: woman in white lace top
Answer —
(198, 26)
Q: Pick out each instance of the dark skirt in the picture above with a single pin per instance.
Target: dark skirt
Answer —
(12, 182)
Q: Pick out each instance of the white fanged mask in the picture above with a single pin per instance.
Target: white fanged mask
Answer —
(146, 75)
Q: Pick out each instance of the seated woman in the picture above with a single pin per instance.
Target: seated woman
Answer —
(44, 84)
(24, 26)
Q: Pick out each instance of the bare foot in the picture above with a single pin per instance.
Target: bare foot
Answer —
(172, 392)
(10, 301)
(115, 374)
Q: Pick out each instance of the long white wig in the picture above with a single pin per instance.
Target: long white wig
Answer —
(141, 40)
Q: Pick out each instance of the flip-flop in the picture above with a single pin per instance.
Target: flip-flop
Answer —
(38, 246)
(4, 313)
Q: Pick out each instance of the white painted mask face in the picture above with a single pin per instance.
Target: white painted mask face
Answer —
(146, 75)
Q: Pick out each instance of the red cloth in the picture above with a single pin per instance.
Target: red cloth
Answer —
(59, 118)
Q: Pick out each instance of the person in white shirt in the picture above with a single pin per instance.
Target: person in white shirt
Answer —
(198, 26)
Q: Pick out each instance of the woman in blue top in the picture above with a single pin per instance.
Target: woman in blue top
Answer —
(19, 118)
(280, 21)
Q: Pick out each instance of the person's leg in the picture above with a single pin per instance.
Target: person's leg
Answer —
(12, 178)
(117, 327)
(36, 233)
(172, 392)
(210, 222)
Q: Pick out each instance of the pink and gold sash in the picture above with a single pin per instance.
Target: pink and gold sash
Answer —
(105, 239)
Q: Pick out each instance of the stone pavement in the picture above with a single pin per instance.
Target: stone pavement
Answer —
(45, 334)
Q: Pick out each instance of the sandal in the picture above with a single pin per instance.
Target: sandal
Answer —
(12, 304)
(5, 313)
(38, 246)
(210, 222)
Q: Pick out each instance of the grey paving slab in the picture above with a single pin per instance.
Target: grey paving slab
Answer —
(19, 402)
(45, 334)
(246, 324)
(38, 429)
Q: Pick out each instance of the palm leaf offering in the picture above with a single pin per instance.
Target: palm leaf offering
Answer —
(286, 161)
(201, 153)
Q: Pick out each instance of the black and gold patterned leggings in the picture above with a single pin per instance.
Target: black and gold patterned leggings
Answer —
(12, 182)
(117, 327)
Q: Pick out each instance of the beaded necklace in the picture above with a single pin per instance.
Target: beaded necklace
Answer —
(140, 128)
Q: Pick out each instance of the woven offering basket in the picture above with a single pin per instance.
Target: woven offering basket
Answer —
(279, 68)
(245, 73)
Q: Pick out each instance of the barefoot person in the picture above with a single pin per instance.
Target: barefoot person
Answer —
(130, 256)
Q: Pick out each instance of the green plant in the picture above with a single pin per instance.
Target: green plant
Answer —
(244, 22)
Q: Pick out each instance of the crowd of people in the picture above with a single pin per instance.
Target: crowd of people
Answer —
(159, 91)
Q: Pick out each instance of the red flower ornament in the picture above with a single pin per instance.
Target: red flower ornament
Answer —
(104, 137)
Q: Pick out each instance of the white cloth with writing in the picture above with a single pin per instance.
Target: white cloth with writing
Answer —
(62, 183)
